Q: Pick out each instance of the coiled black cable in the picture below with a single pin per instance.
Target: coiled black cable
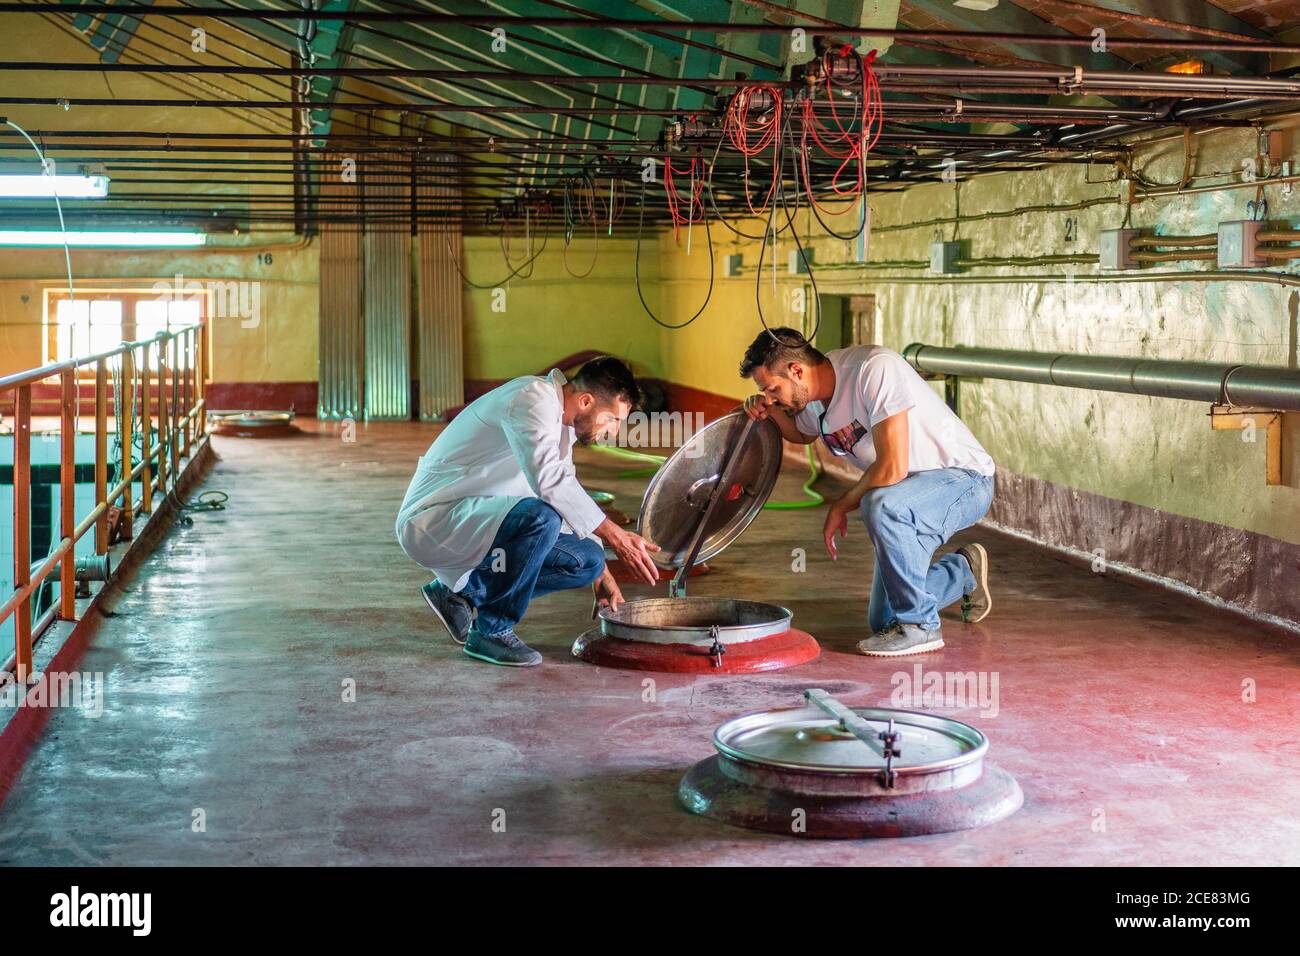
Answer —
(640, 223)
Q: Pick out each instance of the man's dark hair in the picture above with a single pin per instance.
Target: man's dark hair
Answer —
(609, 380)
(779, 347)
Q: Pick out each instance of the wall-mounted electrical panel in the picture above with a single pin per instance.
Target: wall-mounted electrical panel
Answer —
(1239, 244)
(944, 256)
(1115, 249)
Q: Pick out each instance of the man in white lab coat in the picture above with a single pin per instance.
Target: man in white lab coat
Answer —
(496, 512)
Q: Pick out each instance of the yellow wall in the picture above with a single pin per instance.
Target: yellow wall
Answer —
(280, 346)
(551, 314)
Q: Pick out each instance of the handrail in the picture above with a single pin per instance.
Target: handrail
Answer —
(168, 397)
(32, 376)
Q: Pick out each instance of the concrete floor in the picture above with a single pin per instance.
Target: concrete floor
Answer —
(1120, 708)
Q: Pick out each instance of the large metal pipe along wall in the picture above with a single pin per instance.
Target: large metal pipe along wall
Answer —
(1261, 386)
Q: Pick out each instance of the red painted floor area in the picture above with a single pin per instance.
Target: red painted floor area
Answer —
(1119, 708)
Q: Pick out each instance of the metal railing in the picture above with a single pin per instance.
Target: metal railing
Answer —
(158, 387)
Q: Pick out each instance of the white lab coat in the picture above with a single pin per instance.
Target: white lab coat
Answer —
(507, 445)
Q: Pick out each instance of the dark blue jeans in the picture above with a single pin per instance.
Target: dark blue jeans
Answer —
(529, 557)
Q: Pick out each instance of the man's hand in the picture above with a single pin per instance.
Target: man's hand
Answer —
(837, 519)
(607, 594)
(890, 467)
(632, 549)
(756, 407)
(760, 409)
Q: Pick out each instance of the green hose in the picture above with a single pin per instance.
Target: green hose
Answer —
(630, 455)
(812, 499)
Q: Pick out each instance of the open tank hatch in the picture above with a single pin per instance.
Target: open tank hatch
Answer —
(698, 503)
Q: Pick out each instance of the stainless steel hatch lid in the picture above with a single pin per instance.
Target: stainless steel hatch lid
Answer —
(679, 493)
(806, 739)
(694, 620)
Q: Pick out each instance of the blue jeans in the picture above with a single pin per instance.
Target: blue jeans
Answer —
(907, 523)
(529, 557)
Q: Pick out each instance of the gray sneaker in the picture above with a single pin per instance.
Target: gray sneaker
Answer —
(503, 648)
(899, 640)
(975, 606)
(455, 613)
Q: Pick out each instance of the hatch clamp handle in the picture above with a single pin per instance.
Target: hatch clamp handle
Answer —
(677, 586)
(717, 650)
(851, 723)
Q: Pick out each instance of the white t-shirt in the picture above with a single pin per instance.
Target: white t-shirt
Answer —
(871, 384)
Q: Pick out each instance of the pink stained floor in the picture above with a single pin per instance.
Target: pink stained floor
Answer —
(1120, 708)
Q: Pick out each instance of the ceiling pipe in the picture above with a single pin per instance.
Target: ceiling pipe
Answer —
(1260, 386)
(953, 109)
(1057, 80)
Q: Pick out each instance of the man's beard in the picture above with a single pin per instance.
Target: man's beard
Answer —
(584, 427)
(799, 395)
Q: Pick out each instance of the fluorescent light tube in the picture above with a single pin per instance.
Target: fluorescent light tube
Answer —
(38, 186)
(52, 237)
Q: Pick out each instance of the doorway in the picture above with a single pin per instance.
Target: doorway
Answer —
(846, 320)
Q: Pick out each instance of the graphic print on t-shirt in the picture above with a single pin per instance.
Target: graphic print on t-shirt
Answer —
(841, 442)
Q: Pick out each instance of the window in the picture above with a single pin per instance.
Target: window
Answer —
(162, 315)
(87, 326)
(98, 320)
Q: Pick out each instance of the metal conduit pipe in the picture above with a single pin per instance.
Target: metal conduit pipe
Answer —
(1261, 386)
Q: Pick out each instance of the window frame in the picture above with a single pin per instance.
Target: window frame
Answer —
(129, 296)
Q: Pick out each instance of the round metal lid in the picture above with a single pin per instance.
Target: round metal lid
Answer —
(251, 418)
(690, 620)
(808, 740)
(678, 494)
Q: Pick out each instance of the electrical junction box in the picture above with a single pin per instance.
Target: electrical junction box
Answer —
(943, 257)
(1238, 244)
(799, 262)
(731, 265)
(1115, 249)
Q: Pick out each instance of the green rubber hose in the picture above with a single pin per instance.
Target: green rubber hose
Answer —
(630, 455)
(813, 499)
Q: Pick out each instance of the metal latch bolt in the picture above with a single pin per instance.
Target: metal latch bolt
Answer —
(886, 743)
(717, 650)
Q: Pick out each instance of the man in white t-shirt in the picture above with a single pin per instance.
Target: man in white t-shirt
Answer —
(924, 476)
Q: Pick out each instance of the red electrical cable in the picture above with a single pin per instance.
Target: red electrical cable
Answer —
(752, 134)
(695, 198)
(848, 142)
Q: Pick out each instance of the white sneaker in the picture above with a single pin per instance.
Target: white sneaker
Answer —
(900, 640)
